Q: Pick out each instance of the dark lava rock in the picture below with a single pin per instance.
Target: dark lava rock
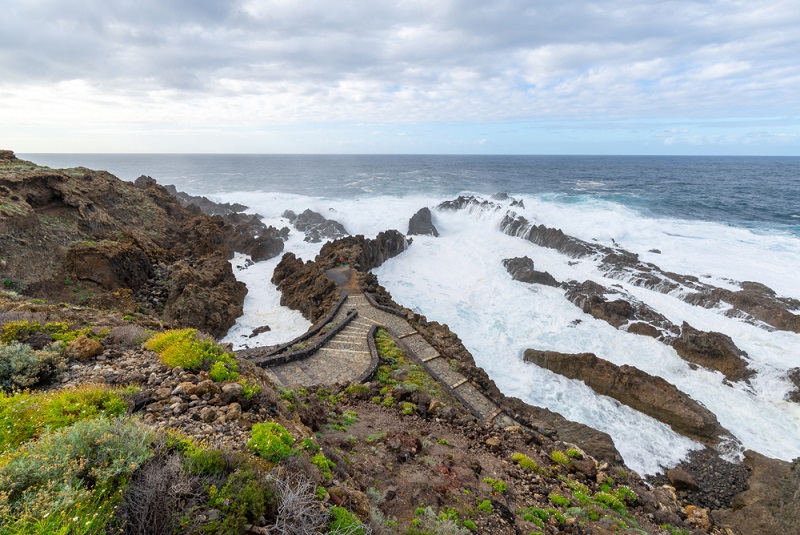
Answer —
(363, 253)
(304, 287)
(590, 297)
(315, 226)
(651, 395)
(206, 205)
(462, 202)
(421, 224)
(521, 269)
(712, 350)
(794, 377)
(259, 330)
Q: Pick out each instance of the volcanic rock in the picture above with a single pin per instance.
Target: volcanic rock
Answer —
(712, 350)
(421, 224)
(651, 395)
(316, 226)
(681, 479)
(794, 377)
(110, 264)
(521, 269)
(304, 287)
(362, 253)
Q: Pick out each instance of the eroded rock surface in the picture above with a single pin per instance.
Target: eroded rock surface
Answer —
(712, 350)
(315, 226)
(521, 269)
(646, 393)
(421, 224)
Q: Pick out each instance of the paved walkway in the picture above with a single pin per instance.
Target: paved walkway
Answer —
(347, 356)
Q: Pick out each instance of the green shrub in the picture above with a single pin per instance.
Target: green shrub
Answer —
(23, 367)
(485, 506)
(358, 391)
(60, 331)
(470, 525)
(271, 441)
(610, 501)
(245, 497)
(559, 457)
(387, 349)
(626, 495)
(324, 464)
(308, 444)
(249, 389)
(70, 480)
(497, 485)
(558, 499)
(572, 453)
(183, 348)
(24, 416)
(343, 521)
(525, 462)
(408, 408)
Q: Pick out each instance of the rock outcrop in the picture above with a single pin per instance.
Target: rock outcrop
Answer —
(305, 287)
(712, 350)
(315, 226)
(626, 312)
(521, 269)
(794, 377)
(770, 503)
(102, 238)
(648, 394)
(362, 253)
(421, 224)
(206, 205)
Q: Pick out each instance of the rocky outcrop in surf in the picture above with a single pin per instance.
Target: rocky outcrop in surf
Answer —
(646, 393)
(315, 226)
(712, 350)
(363, 253)
(754, 303)
(304, 287)
(206, 205)
(521, 269)
(421, 224)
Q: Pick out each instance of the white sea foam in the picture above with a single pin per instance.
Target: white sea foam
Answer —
(459, 279)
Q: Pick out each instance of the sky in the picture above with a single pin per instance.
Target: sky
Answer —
(407, 76)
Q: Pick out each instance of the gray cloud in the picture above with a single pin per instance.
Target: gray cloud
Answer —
(412, 60)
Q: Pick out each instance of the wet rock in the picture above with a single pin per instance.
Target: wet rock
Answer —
(83, 348)
(421, 224)
(712, 350)
(794, 377)
(651, 395)
(362, 253)
(315, 226)
(260, 330)
(521, 269)
(304, 287)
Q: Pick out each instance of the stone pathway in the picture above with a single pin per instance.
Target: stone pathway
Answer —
(347, 356)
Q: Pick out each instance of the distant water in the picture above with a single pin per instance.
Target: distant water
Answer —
(723, 219)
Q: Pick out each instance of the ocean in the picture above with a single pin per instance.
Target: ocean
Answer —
(722, 219)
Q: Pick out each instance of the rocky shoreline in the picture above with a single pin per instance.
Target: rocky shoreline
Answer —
(123, 258)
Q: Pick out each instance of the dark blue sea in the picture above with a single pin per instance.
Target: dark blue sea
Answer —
(749, 191)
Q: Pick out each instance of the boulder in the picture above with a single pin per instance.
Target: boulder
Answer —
(712, 350)
(83, 348)
(362, 253)
(681, 479)
(651, 395)
(421, 224)
(521, 269)
(315, 226)
(794, 377)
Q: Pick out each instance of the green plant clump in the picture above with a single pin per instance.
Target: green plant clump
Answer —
(70, 480)
(25, 416)
(558, 499)
(343, 521)
(559, 457)
(497, 485)
(271, 441)
(22, 367)
(324, 464)
(525, 462)
(485, 506)
(183, 348)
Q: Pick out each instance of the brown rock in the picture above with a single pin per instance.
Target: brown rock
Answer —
(111, 265)
(651, 395)
(794, 377)
(234, 411)
(83, 348)
(521, 269)
(232, 392)
(771, 504)
(681, 479)
(712, 350)
(403, 445)
(208, 415)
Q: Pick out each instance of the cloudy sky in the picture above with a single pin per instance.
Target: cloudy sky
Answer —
(404, 76)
